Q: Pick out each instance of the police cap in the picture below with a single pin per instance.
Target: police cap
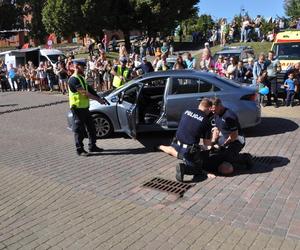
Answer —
(79, 62)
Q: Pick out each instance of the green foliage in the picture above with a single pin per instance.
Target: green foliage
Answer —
(266, 26)
(36, 27)
(92, 16)
(292, 8)
(93, 22)
(63, 17)
(11, 16)
(203, 23)
(164, 15)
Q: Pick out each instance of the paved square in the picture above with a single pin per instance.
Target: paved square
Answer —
(50, 198)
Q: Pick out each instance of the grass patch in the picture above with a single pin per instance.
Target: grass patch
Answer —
(109, 55)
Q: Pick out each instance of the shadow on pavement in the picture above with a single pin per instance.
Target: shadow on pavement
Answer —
(264, 164)
(8, 105)
(133, 151)
(271, 126)
(154, 139)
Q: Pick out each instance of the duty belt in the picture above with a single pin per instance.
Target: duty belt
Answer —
(182, 144)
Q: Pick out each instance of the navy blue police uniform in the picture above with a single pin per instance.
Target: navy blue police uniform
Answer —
(228, 122)
(193, 126)
(82, 119)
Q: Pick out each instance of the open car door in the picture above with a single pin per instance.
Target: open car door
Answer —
(127, 109)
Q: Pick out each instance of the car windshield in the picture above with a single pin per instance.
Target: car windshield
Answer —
(228, 55)
(54, 58)
(287, 51)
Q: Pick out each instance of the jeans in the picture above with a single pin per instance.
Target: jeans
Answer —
(23, 84)
(257, 31)
(290, 97)
(50, 82)
(13, 83)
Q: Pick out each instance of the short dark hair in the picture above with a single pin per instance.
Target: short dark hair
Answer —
(205, 102)
(216, 101)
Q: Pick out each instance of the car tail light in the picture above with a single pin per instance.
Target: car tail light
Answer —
(250, 97)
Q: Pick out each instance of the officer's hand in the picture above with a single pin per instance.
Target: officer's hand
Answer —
(102, 101)
(211, 176)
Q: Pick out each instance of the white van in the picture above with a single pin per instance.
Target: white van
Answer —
(36, 55)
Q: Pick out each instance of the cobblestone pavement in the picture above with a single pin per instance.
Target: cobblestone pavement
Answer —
(50, 198)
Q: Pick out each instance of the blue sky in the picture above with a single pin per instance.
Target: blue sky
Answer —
(228, 8)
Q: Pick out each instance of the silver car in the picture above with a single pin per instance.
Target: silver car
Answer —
(155, 101)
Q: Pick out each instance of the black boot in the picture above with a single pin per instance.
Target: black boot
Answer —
(82, 152)
(95, 149)
(180, 171)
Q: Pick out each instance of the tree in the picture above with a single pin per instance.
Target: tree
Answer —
(164, 15)
(292, 8)
(36, 26)
(95, 23)
(11, 16)
(121, 15)
(63, 17)
(203, 24)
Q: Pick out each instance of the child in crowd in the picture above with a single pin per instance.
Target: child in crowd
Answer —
(263, 90)
(290, 85)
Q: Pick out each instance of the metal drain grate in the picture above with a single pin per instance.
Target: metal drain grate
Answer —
(168, 186)
(264, 160)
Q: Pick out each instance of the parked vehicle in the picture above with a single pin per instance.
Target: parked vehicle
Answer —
(287, 48)
(155, 101)
(36, 55)
(240, 52)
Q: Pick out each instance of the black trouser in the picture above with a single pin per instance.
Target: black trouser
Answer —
(3, 85)
(230, 154)
(273, 90)
(82, 123)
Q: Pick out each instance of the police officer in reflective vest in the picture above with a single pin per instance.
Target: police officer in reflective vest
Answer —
(79, 94)
(194, 125)
(121, 73)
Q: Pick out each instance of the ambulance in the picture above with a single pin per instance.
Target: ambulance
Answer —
(287, 50)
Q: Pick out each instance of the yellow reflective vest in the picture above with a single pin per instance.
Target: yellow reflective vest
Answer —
(76, 99)
(117, 82)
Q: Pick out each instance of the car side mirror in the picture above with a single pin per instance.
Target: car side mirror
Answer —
(121, 97)
(114, 99)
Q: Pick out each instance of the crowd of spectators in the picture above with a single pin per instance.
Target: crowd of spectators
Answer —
(29, 77)
(262, 74)
(247, 29)
(102, 72)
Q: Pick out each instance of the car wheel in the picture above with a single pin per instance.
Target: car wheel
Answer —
(103, 126)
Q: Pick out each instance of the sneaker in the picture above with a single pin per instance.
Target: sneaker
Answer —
(95, 149)
(180, 172)
(248, 160)
(82, 152)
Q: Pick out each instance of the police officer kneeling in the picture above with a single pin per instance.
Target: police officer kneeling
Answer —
(229, 140)
(79, 94)
(194, 125)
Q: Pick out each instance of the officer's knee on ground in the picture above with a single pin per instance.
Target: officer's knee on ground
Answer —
(225, 168)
